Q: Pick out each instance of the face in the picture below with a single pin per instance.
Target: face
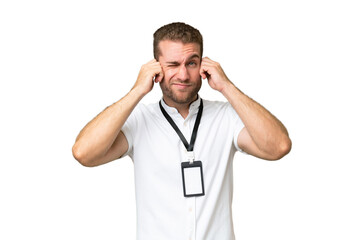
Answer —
(181, 66)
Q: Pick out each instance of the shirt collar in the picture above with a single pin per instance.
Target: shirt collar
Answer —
(194, 107)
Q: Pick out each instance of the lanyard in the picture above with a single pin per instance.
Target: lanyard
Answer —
(192, 173)
(189, 147)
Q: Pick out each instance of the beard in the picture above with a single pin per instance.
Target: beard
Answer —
(181, 97)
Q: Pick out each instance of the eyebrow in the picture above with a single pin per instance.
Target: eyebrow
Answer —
(191, 57)
(194, 56)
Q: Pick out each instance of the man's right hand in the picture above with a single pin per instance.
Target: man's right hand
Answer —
(148, 72)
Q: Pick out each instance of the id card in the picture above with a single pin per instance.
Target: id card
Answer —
(193, 181)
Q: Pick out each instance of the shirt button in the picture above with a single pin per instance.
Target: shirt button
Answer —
(190, 209)
(185, 124)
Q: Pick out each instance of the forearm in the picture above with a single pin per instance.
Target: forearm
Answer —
(101, 141)
(96, 138)
(266, 131)
(264, 135)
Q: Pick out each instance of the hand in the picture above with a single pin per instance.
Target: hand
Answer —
(149, 73)
(214, 73)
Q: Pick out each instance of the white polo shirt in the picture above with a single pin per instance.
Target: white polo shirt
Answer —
(163, 213)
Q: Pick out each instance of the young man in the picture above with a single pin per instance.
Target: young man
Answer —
(183, 146)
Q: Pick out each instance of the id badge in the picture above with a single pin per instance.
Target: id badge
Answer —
(193, 181)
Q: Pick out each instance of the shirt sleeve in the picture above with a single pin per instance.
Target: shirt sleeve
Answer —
(237, 127)
(129, 129)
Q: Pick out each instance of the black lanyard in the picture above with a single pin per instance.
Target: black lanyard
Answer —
(189, 147)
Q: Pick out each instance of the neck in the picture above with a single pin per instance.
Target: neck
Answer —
(183, 108)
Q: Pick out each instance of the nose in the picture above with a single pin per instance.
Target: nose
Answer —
(183, 73)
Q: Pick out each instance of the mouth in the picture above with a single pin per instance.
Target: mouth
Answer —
(181, 85)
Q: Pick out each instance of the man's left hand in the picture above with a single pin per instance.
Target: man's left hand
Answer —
(214, 73)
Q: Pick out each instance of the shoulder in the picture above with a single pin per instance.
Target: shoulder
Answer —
(146, 111)
(213, 103)
(216, 105)
(220, 110)
(142, 116)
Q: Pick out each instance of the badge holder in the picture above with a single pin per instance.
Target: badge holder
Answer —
(193, 180)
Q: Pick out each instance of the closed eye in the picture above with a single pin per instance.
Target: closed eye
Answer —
(173, 64)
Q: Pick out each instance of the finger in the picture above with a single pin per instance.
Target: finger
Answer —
(151, 61)
(159, 77)
(155, 78)
(206, 60)
(203, 73)
(204, 70)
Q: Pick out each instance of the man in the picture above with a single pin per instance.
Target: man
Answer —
(183, 146)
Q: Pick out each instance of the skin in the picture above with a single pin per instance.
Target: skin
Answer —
(179, 72)
(181, 81)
